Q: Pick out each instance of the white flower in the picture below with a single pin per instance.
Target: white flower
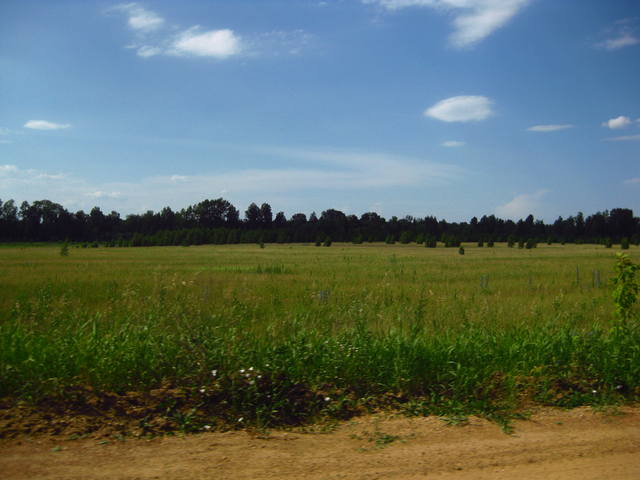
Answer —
(207, 427)
(214, 373)
(327, 399)
(594, 391)
(241, 419)
(242, 370)
(202, 390)
(251, 369)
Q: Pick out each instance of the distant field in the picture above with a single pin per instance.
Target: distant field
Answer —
(491, 327)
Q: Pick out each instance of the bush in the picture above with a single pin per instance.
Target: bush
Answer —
(624, 243)
(430, 242)
(327, 242)
(511, 241)
(390, 240)
(490, 244)
(481, 243)
(531, 243)
(461, 250)
(520, 243)
(64, 249)
(608, 243)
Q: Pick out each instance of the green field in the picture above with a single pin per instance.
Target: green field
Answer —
(353, 326)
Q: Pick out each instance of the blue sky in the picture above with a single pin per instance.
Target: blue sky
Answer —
(452, 108)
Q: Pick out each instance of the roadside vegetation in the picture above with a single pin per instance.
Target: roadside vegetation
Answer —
(189, 339)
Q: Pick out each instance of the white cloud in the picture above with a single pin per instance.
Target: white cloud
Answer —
(632, 181)
(474, 20)
(5, 142)
(140, 19)
(101, 194)
(453, 143)
(45, 125)
(461, 109)
(214, 43)
(618, 122)
(521, 205)
(549, 128)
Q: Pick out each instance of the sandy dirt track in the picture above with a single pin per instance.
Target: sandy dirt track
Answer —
(577, 444)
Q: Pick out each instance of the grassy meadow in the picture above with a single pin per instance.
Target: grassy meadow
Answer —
(291, 332)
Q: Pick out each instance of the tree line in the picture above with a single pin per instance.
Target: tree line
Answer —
(217, 221)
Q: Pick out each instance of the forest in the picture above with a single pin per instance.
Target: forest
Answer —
(217, 221)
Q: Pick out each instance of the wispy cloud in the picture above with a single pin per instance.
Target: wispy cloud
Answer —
(632, 181)
(474, 20)
(624, 138)
(624, 33)
(521, 205)
(453, 143)
(45, 125)
(317, 170)
(470, 108)
(550, 128)
(618, 122)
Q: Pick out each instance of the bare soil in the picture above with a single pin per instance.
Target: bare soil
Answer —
(577, 444)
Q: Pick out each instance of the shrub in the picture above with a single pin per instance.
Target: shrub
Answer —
(624, 243)
(490, 244)
(405, 237)
(531, 243)
(461, 250)
(327, 242)
(520, 243)
(608, 243)
(64, 249)
(390, 240)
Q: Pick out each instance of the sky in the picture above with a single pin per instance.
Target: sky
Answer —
(451, 108)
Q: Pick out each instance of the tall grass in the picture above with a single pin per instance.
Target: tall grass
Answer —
(359, 321)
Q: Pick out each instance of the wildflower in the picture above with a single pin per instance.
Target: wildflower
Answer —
(214, 373)
(240, 419)
(594, 391)
(202, 390)
(259, 377)
(327, 399)
(242, 370)
(207, 427)
(251, 382)
(251, 369)
(619, 387)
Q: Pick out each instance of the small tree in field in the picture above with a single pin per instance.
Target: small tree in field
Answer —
(461, 250)
(64, 249)
(624, 243)
(327, 242)
(481, 243)
(608, 243)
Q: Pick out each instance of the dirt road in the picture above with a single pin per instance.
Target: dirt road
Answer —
(567, 445)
